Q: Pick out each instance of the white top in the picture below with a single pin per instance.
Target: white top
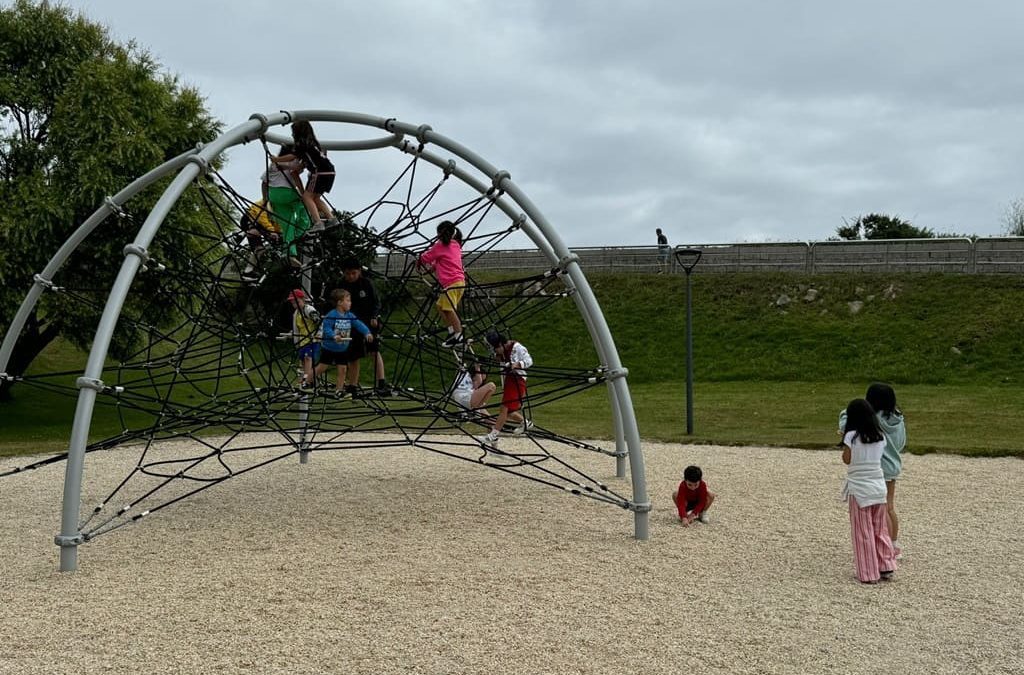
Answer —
(864, 481)
(463, 382)
(278, 176)
(520, 357)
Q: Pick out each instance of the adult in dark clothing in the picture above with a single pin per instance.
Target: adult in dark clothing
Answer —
(366, 306)
(664, 252)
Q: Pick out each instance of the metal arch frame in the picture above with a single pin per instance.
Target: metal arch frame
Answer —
(189, 165)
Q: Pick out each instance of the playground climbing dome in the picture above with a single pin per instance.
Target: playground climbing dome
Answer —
(192, 343)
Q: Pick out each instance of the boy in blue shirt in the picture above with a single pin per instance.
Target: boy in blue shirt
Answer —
(337, 328)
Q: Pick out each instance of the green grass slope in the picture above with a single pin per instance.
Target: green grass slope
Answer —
(928, 328)
(765, 372)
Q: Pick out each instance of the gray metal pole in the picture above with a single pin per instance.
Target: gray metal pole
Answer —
(594, 319)
(689, 357)
(91, 383)
(688, 259)
(45, 277)
(307, 283)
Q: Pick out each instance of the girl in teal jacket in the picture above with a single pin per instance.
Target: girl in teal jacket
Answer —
(883, 399)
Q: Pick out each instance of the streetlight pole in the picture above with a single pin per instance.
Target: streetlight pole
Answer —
(688, 259)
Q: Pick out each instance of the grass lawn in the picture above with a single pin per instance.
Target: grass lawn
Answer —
(950, 344)
(968, 420)
(962, 419)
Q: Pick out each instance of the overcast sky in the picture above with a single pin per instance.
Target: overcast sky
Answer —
(718, 121)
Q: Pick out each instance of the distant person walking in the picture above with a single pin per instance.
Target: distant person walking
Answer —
(664, 252)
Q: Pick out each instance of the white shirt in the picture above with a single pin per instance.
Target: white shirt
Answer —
(462, 392)
(520, 357)
(864, 481)
(277, 176)
(464, 383)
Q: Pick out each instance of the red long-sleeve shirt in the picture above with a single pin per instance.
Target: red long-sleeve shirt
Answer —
(691, 500)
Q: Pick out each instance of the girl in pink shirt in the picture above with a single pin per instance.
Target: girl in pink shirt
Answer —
(445, 259)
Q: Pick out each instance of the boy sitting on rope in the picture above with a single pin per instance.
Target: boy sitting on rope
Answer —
(514, 359)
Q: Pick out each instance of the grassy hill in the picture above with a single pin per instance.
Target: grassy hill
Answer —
(766, 372)
(912, 328)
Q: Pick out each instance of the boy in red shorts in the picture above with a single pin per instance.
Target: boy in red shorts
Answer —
(515, 359)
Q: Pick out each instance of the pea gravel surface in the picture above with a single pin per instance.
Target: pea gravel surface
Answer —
(403, 561)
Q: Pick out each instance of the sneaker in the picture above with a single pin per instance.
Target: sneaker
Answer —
(383, 389)
(887, 575)
(703, 517)
(341, 394)
(316, 228)
(453, 340)
(307, 388)
(294, 262)
(352, 390)
(332, 222)
(521, 429)
(490, 440)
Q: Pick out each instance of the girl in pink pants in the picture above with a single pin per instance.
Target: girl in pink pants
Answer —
(864, 489)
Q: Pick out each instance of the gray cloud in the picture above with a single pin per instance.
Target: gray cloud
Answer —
(716, 121)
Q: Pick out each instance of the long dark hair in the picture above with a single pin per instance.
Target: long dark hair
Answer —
(446, 232)
(302, 134)
(883, 399)
(860, 417)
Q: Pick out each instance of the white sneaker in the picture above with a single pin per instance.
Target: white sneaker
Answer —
(703, 517)
(523, 428)
(490, 440)
(454, 340)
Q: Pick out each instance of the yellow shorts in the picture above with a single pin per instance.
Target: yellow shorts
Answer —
(450, 297)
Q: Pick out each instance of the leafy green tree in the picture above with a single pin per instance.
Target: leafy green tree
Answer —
(880, 226)
(81, 116)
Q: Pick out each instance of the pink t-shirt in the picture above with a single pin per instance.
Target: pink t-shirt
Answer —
(446, 262)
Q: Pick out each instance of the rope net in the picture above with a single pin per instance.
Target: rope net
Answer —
(206, 354)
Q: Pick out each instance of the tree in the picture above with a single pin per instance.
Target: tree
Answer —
(880, 226)
(1013, 218)
(81, 117)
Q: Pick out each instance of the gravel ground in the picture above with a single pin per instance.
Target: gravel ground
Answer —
(402, 561)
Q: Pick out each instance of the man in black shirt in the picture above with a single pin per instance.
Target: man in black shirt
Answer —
(664, 252)
(366, 306)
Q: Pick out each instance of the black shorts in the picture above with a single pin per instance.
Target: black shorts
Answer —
(362, 347)
(322, 183)
(329, 358)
